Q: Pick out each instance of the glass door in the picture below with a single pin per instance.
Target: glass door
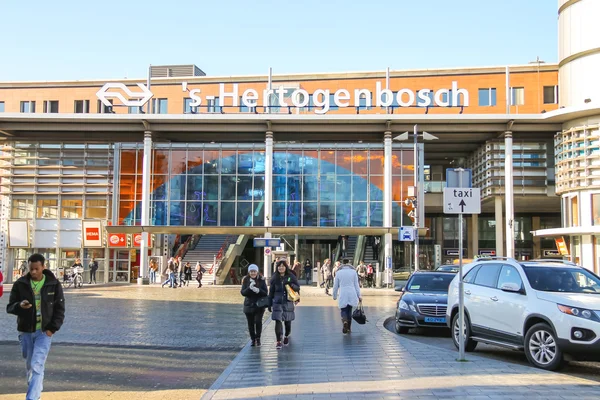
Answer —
(120, 266)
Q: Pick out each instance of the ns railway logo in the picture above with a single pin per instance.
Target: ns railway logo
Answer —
(320, 100)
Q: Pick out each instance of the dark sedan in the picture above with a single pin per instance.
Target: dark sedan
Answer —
(423, 301)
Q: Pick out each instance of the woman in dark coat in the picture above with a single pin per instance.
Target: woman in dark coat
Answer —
(283, 308)
(254, 287)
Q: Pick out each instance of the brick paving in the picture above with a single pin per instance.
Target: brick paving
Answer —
(375, 363)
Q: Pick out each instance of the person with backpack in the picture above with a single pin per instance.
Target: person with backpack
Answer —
(254, 288)
(171, 274)
(283, 287)
(347, 290)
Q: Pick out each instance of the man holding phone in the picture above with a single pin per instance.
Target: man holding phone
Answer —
(38, 301)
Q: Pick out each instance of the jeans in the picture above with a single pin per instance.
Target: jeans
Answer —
(171, 281)
(93, 275)
(152, 276)
(35, 348)
(279, 329)
(255, 323)
(347, 314)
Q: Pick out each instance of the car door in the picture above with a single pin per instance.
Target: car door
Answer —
(507, 310)
(481, 292)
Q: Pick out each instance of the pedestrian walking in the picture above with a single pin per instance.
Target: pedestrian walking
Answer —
(199, 273)
(370, 275)
(284, 288)
(181, 272)
(187, 273)
(346, 289)
(307, 271)
(93, 266)
(361, 270)
(171, 266)
(38, 302)
(254, 288)
(153, 267)
(327, 275)
(336, 268)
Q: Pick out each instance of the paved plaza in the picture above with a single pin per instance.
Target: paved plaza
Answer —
(151, 343)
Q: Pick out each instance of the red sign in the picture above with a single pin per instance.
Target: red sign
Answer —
(92, 233)
(137, 240)
(117, 240)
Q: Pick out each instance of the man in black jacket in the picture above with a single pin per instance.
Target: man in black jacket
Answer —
(38, 301)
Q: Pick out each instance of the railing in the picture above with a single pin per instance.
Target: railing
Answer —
(184, 247)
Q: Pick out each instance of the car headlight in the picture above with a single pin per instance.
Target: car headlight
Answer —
(405, 306)
(578, 312)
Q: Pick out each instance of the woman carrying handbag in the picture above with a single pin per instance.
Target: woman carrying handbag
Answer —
(254, 289)
(284, 294)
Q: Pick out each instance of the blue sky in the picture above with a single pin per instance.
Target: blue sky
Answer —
(74, 39)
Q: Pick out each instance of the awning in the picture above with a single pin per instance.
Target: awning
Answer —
(571, 231)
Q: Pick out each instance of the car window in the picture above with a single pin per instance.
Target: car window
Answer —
(470, 276)
(488, 275)
(427, 283)
(509, 274)
(565, 279)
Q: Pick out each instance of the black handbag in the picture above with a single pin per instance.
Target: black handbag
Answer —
(264, 302)
(359, 315)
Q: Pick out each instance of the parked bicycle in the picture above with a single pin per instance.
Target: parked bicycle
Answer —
(74, 278)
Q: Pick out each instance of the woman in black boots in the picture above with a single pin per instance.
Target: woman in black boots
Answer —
(283, 305)
(254, 287)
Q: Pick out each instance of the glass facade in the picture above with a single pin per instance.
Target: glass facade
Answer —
(220, 185)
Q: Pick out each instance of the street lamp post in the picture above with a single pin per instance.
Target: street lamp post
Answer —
(418, 202)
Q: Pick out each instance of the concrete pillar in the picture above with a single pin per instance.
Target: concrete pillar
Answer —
(473, 236)
(537, 240)
(268, 196)
(146, 176)
(508, 191)
(387, 194)
(499, 235)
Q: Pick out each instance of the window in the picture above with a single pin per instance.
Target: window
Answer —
(365, 103)
(551, 94)
(421, 103)
(71, 208)
(135, 110)
(28, 106)
(470, 276)
(104, 109)
(517, 96)
(51, 106)
(22, 208)
(596, 209)
(487, 97)
(509, 274)
(245, 109)
(1, 106)
(212, 105)
(187, 108)
(47, 208)
(332, 105)
(95, 208)
(159, 106)
(82, 106)
(487, 275)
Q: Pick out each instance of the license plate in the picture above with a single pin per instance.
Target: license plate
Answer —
(435, 320)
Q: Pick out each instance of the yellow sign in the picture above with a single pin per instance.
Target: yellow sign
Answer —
(561, 246)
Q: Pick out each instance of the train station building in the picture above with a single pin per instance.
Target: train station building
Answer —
(183, 162)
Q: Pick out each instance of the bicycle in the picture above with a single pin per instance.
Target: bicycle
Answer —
(74, 278)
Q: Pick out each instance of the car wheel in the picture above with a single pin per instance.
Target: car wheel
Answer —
(470, 344)
(541, 348)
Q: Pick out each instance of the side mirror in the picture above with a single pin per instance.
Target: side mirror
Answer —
(399, 288)
(511, 287)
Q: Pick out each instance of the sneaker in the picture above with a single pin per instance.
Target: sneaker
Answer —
(258, 342)
(278, 346)
(286, 341)
(253, 343)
